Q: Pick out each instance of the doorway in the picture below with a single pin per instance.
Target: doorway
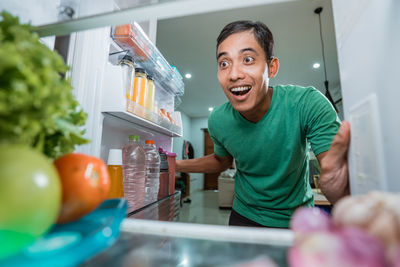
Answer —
(210, 179)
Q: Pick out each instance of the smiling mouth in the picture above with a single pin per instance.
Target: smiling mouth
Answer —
(242, 90)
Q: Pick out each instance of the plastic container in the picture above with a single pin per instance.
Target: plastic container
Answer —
(152, 172)
(131, 38)
(150, 94)
(114, 164)
(134, 172)
(71, 244)
(164, 175)
(171, 159)
(139, 86)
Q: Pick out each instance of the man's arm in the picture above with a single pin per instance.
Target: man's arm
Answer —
(207, 164)
(334, 179)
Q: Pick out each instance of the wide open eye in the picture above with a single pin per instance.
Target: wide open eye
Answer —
(223, 64)
(248, 59)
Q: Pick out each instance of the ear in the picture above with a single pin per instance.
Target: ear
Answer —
(273, 67)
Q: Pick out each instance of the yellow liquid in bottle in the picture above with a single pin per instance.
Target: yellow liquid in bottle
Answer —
(116, 187)
(139, 90)
(150, 95)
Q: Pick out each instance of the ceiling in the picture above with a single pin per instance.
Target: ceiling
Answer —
(189, 44)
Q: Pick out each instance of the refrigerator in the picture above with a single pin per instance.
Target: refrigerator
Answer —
(368, 58)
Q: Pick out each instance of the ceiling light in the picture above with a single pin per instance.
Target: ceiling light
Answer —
(188, 75)
(316, 65)
(210, 109)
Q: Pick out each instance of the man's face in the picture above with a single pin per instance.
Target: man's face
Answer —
(243, 72)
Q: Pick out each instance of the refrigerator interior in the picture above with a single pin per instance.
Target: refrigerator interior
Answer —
(98, 87)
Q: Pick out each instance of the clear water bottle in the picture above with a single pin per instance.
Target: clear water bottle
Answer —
(134, 172)
(152, 172)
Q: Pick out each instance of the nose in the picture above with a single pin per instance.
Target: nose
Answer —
(236, 72)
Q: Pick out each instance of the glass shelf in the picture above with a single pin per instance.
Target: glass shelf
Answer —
(162, 126)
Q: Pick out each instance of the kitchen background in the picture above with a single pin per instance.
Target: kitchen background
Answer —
(190, 43)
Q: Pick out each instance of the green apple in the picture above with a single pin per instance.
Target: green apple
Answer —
(30, 197)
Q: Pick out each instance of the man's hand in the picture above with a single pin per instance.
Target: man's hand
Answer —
(334, 180)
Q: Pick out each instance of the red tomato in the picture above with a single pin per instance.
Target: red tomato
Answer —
(85, 184)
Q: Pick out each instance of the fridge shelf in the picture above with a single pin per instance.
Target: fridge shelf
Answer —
(163, 126)
(116, 104)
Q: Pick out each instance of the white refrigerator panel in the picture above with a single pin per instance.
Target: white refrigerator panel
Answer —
(368, 41)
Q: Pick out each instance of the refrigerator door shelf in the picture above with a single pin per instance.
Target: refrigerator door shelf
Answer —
(131, 37)
(116, 104)
(166, 128)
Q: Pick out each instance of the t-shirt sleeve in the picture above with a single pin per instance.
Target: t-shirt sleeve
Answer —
(320, 121)
(219, 149)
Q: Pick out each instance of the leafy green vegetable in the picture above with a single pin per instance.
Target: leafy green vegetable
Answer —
(37, 107)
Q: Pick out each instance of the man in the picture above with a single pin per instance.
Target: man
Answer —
(267, 131)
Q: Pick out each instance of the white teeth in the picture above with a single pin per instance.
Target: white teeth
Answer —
(239, 89)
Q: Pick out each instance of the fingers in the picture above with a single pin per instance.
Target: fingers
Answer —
(344, 131)
(341, 142)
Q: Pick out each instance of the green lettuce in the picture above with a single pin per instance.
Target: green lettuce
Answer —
(37, 107)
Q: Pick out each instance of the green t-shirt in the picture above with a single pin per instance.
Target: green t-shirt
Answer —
(271, 155)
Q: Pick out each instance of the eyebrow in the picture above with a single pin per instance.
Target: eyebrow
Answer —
(221, 54)
(248, 49)
(241, 52)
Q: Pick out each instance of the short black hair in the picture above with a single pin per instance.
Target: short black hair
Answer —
(261, 32)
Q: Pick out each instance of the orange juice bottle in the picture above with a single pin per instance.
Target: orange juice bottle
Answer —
(139, 86)
(114, 164)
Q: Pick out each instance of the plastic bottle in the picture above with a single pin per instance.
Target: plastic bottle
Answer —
(149, 103)
(139, 86)
(134, 172)
(152, 172)
(114, 163)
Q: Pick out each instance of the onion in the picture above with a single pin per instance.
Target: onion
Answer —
(376, 212)
(307, 220)
(318, 249)
(395, 260)
(385, 227)
(344, 247)
(362, 248)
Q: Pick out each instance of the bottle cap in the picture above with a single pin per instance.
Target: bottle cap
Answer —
(140, 70)
(133, 137)
(149, 142)
(114, 157)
